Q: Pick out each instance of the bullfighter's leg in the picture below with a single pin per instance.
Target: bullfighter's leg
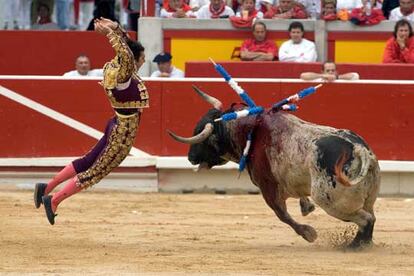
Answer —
(278, 205)
(306, 206)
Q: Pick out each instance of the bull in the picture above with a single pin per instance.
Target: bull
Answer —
(290, 157)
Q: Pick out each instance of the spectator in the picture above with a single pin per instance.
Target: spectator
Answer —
(195, 5)
(287, 9)
(103, 8)
(123, 8)
(158, 6)
(83, 68)
(62, 13)
(258, 48)
(248, 11)
(83, 13)
(246, 16)
(404, 11)
(297, 49)
(175, 9)
(388, 6)
(133, 10)
(329, 73)
(44, 21)
(400, 47)
(348, 5)
(25, 21)
(264, 5)
(216, 9)
(35, 9)
(367, 15)
(11, 14)
(329, 10)
(235, 5)
(165, 68)
(312, 8)
(378, 4)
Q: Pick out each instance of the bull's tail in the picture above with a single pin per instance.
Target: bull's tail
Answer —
(364, 157)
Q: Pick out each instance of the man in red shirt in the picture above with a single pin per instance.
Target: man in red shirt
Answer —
(258, 48)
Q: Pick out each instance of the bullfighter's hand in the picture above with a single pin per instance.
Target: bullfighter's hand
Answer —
(107, 22)
(101, 28)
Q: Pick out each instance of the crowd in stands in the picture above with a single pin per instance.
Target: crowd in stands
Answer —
(243, 13)
(79, 15)
(362, 12)
(399, 48)
(67, 14)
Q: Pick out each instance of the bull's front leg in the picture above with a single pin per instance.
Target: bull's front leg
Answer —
(278, 205)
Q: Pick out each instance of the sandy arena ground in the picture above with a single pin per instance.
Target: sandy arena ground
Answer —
(193, 234)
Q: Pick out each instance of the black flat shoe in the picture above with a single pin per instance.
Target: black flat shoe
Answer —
(39, 191)
(47, 202)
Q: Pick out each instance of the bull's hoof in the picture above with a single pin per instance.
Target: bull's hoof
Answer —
(308, 233)
(358, 244)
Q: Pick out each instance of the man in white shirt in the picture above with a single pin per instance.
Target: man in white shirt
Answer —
(165, 68)
(297, 48)
(216, 9)
(404, 11)
(83, 69)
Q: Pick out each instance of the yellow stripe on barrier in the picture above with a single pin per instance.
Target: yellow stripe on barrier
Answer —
(359, 51)
(192, 49)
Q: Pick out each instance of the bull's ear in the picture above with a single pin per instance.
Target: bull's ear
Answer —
(211, 100)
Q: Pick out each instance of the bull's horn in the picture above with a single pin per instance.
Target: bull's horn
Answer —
(213, 101)
(208, 129)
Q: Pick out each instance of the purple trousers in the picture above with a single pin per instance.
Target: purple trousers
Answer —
(109, 152)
